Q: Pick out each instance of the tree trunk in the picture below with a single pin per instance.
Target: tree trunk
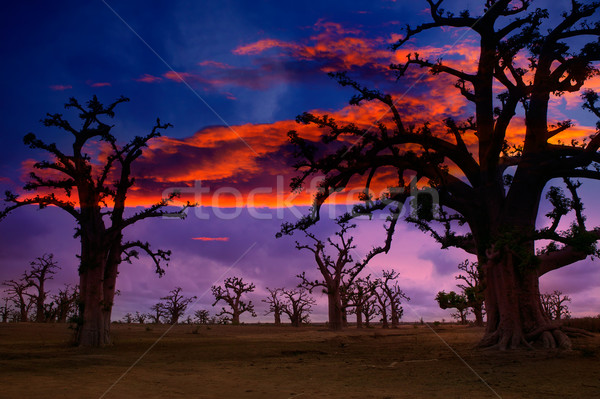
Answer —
(478, 312)
(359, 323)
(277, 318)
(514, 310)
(334, 301)
(235, 318)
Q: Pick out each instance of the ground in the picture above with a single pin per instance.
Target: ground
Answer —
(262, 361)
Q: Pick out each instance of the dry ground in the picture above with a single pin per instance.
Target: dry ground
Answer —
(261, 361)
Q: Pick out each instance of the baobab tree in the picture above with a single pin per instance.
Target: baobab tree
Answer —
(488, 182)
(555, 305)
(388, 284)
(472, 288)
(17, 292)
(231, 294)
(42, 269)
(297, 305)
(274, 300)
(175, 304)
(360, 300)
(94, 192)
(66, 303)
(338, 271)
(158, 313)
(202, 316)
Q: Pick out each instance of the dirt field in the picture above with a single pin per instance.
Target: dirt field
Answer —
(261, 361)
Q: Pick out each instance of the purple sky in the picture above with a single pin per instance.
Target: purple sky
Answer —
(252, 66)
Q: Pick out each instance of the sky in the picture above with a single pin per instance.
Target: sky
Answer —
(231, 77)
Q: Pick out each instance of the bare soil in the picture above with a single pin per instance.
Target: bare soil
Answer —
(262, 361)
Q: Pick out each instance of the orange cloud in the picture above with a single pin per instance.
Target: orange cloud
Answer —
(99, 84)
(211, 238)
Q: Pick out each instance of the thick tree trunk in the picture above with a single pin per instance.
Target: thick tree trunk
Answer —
(478, 312)
(235, 318)
(277, 318)
(335, 310)
(514, 311)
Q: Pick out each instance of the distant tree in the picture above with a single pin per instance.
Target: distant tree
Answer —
(297, 305)
(452, 300)
(5, 309)
(42, 269)
(202, 316)
(389, 286)
(231, 294)
(488, 166)
(175, 304)
(338, 271)
(158, 313)
(99, 207)
(140, 317)
(275, 303)
(472, 289)
(555, 305)
(17, 292)
(66, 303)
(128, 318)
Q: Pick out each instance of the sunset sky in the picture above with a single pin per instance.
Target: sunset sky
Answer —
(231, 76)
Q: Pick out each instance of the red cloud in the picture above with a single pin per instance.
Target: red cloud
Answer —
(147, 78)
(211, 238)
(61, 87)
(99, 84)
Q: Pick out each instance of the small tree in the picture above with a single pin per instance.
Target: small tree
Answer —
(17, 292)
(389, 286)
(5, 309)
(297, 305)
(66, 303)
(140, 317)
(158, 313)
(128, 318)
(472, 288)
(452, 300)
(555, 305)
(175, 304)
(202, 316)
(232, 296)
(360, 296)
(275, 304)
(42, 269)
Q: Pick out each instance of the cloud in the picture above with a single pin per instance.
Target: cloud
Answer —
(211, 238)
(98, 84)
(147, 78)
(60, 87)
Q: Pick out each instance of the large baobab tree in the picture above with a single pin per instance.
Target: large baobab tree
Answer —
(42, 269)
(488, 180)
(339, 270)
(94, 192)
(231, 294)
(175, 304)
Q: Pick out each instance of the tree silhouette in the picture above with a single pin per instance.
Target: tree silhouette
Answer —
(488, 182)
(5, 309)
(297, 305)
(17, 292)
(452, 300)
(158, 313)
(79, 185)
(472, 289)
(232, 296)
(66, 303)
(555, 305)
(275, 303)
(42, 269)
(175, 304)
(202, 316)
(338, 271)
